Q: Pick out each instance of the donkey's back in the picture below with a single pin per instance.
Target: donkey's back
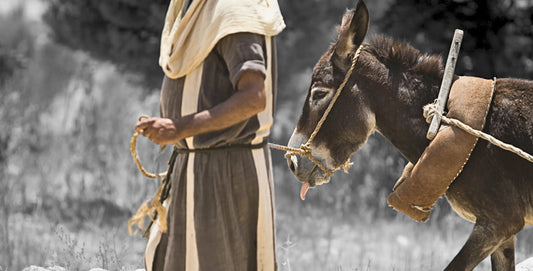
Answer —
(495, 179)
(511, 117)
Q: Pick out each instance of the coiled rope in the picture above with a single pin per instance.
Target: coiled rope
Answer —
(133, 149)
(151, 208)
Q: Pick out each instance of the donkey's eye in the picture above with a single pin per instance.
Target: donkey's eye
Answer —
(318, 94)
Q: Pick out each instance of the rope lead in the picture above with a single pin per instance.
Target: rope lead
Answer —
(430, 111)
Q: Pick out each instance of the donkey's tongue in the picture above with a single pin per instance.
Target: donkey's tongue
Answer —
(305, 187)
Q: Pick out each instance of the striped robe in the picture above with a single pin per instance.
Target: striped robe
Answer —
(221, 214)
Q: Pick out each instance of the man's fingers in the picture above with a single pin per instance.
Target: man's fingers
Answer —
(140, 128)
(143, 125)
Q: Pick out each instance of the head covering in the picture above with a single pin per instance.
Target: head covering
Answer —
(188, 37)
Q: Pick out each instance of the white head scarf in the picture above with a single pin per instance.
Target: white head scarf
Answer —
(188, 37)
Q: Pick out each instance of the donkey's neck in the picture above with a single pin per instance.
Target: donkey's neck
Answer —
(397, 104)
(403, 123)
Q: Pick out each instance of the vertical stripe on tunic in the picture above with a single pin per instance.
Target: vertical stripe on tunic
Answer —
(265, 224)
(266, 117)
(191, 92)
(191, 256)
(153, 241)
(151, 246)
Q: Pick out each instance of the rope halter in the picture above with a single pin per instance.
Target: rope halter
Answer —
(305, 149)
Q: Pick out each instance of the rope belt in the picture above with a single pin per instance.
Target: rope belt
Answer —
(237, 147)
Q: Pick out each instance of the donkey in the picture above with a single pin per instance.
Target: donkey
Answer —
(390, 84)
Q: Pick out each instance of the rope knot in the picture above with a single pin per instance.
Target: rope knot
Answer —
(306, 148)
(430, 110)
(346, 166)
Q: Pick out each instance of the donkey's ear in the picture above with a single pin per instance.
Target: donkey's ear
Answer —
(353, 30)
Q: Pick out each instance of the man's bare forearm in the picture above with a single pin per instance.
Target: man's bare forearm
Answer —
(249, 100)
(239, 107)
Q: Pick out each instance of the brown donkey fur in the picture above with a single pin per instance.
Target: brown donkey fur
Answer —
(390, 84)
(444, 158)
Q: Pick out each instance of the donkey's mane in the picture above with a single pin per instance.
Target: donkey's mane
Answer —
(404, 57)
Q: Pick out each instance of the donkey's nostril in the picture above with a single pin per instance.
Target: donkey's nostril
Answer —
(291, 165)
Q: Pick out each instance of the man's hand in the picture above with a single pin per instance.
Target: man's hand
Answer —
(162, 131)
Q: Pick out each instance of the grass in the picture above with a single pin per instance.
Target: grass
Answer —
(308, 238)
(352, 244)
(361, 239)
(35, 240)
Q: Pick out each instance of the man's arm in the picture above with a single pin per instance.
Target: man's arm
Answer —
(249, 100)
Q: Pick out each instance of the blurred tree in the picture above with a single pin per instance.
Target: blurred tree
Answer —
(65, 133)
(8, 64)
(498, 37)
(5, 189)
(125, 32)
(310, 29)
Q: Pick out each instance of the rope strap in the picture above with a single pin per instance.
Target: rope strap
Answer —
(430, 110)
(305, 149)
(337, 94)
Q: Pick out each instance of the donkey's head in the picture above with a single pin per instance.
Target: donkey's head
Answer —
(350, 121)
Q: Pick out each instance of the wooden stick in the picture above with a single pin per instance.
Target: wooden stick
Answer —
(446, 83)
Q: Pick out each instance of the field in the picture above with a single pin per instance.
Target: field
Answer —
(308, 238)
(374, 238)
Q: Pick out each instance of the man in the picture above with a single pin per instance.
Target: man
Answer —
(217, 109)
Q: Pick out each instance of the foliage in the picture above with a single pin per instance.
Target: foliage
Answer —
(8, 65)
(64, 147)
(498, 37)
(73, 255)
(125, 32)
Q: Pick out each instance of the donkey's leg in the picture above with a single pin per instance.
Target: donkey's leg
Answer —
(485, 238)
(480, 244)
(503, 258)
